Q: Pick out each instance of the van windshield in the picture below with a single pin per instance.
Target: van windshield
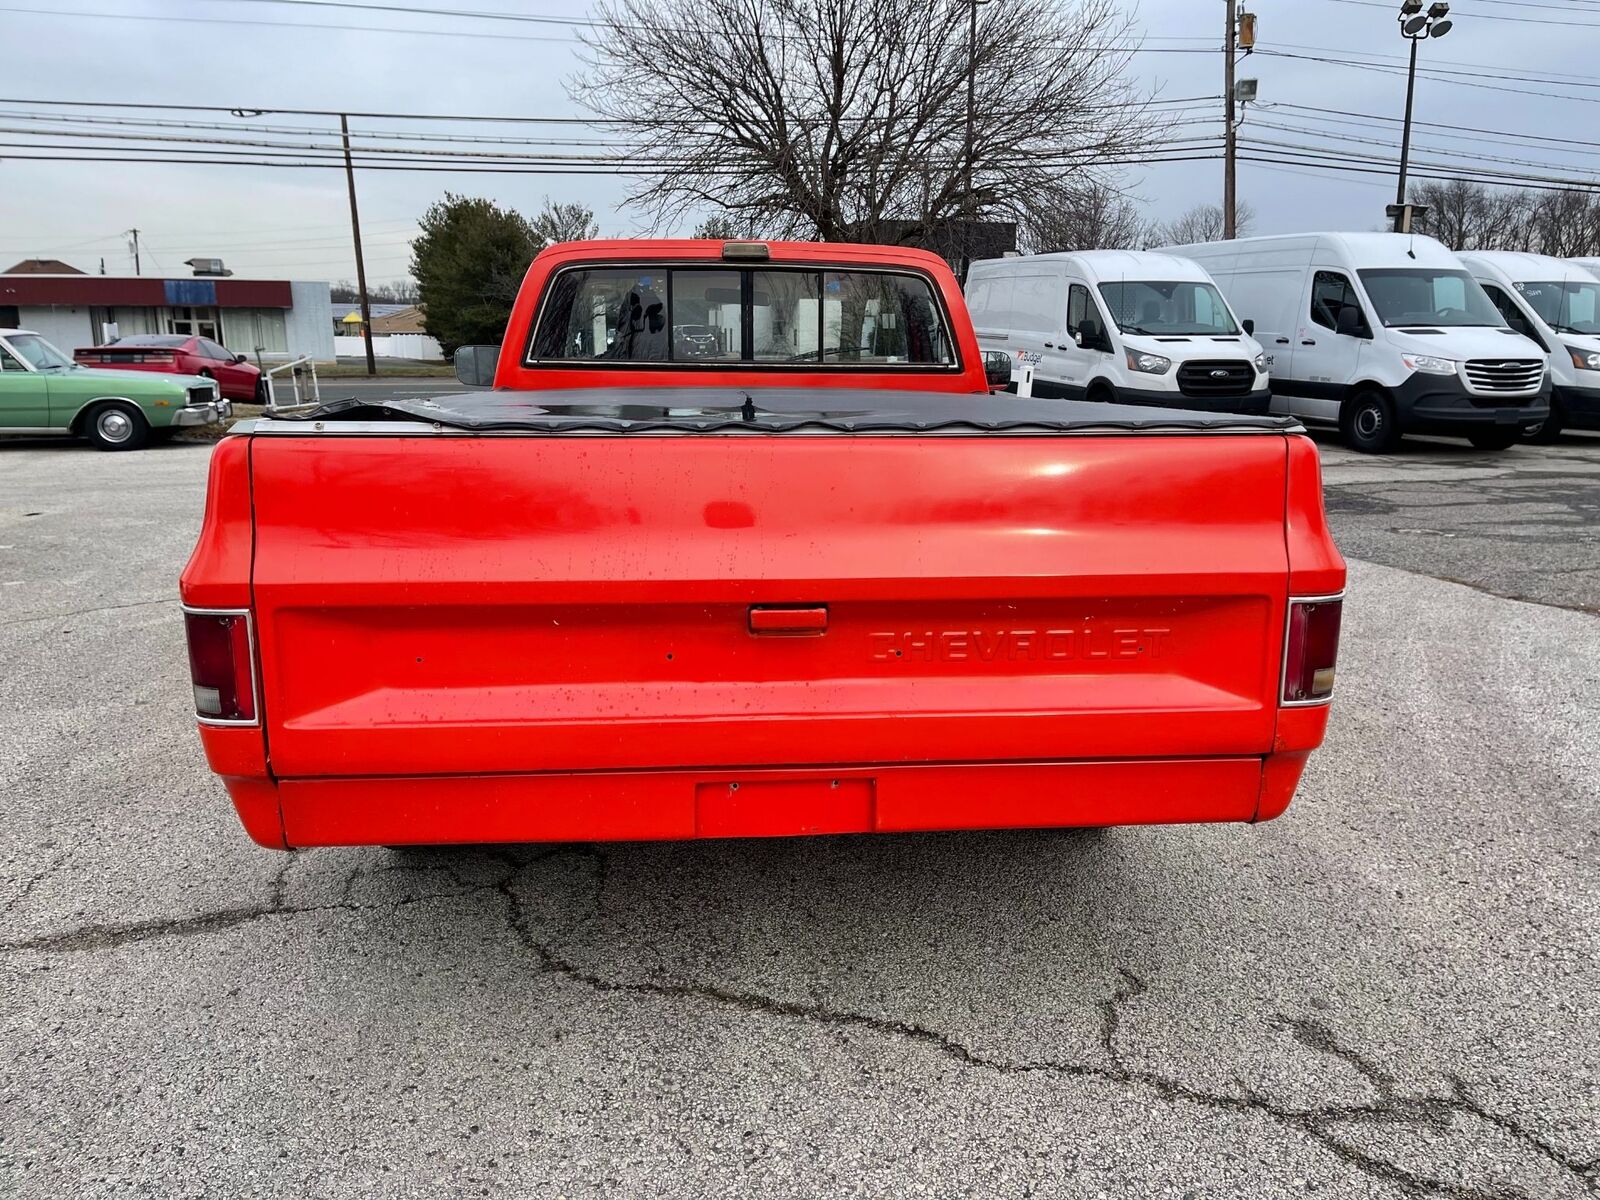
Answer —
(1570, 306)
(1426, 296)
(1173, 308)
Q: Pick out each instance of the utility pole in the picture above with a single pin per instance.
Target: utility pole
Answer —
(355, 229)
(1229, 141)
(134, 233)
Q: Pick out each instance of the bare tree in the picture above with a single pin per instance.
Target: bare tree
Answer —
(1088, 216)
(720, 227)
(833, 118)
(1465, 215)
(1204, 223)
(565, 223)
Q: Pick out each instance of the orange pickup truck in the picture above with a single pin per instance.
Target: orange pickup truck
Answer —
(741, 543)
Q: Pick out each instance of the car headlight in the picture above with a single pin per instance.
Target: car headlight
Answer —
(1150, 364)
(1429, 365)
(1261, 362)
(1584, 360)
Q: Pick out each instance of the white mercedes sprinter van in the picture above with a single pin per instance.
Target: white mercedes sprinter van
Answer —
(1381, 334)
(1123, 326)
(1556, 303)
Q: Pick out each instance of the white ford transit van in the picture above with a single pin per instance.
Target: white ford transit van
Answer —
(1556, 303)
(1381, 334)
(1123, 326)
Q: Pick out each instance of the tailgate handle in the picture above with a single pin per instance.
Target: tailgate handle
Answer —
(788, 618)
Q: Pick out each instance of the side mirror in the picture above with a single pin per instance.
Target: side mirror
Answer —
(1249, 326)
(241, 358)
(475, 365)
(997, 368)
(1351, 323)
(1088, 336)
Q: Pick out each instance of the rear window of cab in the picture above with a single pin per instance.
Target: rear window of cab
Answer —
(714, 315)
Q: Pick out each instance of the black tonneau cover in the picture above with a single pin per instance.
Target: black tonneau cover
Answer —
(771, 410)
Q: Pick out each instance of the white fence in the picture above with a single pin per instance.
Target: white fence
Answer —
(389, 345)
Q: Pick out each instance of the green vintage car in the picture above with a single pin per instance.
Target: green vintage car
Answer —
(43, 391)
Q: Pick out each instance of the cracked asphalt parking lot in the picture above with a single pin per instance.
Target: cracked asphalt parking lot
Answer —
(1390, 991)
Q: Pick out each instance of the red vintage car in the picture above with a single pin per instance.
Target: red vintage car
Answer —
(176, 354)
(741, 544)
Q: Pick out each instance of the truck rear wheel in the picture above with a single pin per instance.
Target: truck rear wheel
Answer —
(1367, 423)
(114, 426)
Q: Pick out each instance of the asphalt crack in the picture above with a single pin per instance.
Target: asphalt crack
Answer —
(1327, 1125)
(1318, 1124)
(37, 878)
(83, 612)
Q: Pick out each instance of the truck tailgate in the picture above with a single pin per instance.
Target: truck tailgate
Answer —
(432, 605)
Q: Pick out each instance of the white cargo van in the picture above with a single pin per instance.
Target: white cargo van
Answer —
(1381, 334)
(1557, 304)
(1123, 326)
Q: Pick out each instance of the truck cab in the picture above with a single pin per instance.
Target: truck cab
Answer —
(1556, 303)
(1119, 327)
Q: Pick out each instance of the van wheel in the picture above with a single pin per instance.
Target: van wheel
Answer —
(115, 426)
(1102, 393)
(1494, 439)
(1367, 423)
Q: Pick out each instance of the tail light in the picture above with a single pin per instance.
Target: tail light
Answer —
(221, 665)
(1311, 648)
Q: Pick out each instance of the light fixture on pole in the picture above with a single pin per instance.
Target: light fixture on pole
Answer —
(1414, 26)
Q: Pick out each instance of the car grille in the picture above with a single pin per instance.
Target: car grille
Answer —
(1505, 375)
(1216, 378)
(204, 394)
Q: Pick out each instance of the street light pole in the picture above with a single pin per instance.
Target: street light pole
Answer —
(1414, 26)
(1405, 136)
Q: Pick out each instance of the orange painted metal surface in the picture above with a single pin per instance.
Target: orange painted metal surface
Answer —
(620, 636)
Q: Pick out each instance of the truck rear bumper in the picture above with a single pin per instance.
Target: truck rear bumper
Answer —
(776, 802)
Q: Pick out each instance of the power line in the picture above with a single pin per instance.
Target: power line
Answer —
(566, 22)
(1395, 70)
(247, 112)
(1461, 131)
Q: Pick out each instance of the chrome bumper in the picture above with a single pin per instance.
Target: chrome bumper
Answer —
(204, 414)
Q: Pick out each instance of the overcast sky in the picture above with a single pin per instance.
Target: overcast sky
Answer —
(283, 223)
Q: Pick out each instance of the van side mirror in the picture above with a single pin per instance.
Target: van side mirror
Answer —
(475, 365)
(997, 368)
(1249, 326)
(1351, 323)
(1088, 336)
